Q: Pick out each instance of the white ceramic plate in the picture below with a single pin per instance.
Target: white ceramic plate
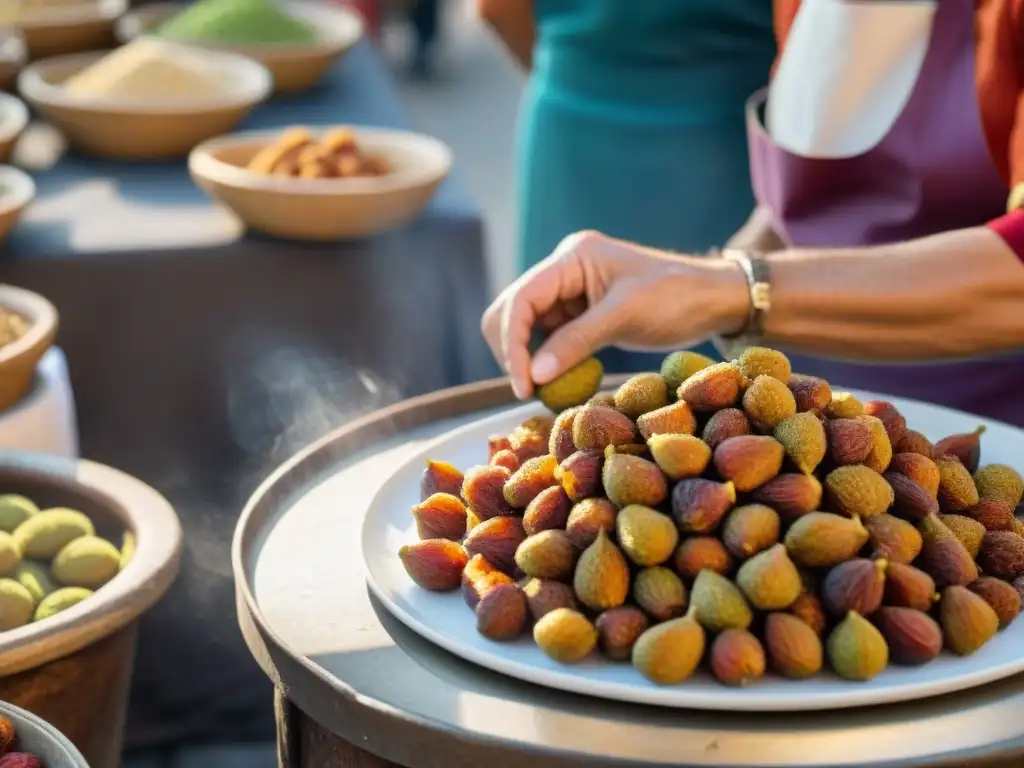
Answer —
(446, 620)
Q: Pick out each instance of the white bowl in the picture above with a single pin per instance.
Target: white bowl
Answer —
(13, 120)
(16, 191)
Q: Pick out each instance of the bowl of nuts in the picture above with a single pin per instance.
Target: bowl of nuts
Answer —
(27, 741)
(28, 324)
(330, 184)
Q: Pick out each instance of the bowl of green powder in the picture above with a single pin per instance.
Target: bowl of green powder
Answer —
(297, 40)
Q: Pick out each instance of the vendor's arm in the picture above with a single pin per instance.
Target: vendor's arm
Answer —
(512, 21)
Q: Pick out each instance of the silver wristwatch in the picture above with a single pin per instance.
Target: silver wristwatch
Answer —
(757, 272)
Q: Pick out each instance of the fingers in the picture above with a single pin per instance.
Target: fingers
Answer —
(576, 341)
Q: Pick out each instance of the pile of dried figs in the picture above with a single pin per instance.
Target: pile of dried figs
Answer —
(733, 513)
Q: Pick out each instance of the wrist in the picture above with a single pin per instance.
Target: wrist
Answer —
(724, 294)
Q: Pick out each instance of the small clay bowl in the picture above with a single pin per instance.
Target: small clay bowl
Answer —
(72, 28)
(38, 737)
(294, 67)
(13, 55)
(323, 209)
(18, 359)
(16, 191)
(13, 120)
(131, 130)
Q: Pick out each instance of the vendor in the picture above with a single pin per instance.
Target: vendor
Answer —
(885, 235)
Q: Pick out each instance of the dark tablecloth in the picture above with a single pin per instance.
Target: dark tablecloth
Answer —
(201, 359)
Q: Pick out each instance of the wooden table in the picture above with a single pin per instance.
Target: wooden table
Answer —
(355, 688)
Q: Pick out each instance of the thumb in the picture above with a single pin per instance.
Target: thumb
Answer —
(575, 341)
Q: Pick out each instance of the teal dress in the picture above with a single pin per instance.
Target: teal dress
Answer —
(632, 124)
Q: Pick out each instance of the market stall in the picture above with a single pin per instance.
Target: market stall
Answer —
(202, 357)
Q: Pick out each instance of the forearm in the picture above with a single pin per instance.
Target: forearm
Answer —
(958, 293)
(512, 21)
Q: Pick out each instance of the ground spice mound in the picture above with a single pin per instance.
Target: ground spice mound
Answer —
(237, 22)
(150, 71)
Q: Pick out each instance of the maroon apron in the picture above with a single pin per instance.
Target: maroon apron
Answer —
(932, 172)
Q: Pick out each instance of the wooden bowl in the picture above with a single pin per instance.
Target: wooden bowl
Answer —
(19, 358)
(127, 130)
(323, 209)
(13, 120)
(85, 26)
(37, 736)
(295, 68)
(13, 55)
(74, 669)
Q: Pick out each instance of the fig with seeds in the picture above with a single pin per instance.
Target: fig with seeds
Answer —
(822, 539)
(803, 438)
(669, 652)
(440, 477)
(856, 585)
(574, 387)
(1002, 555)
(588, 518)
(856, 649)
(618, 630)
(809, 609)
(549, 510)
(790, 494)
(560, 441)
(749, 461)
(497, 540)
(957, 491)
(966, 447)
(908, 587)
(880, 455)
(483, 491)
(768, 402)
(844, 405)
(914, 442)
(968, 622)
(660, 593)
(580, 474)
(993, 515)
(679, 456)
(479, 577)
(969, 531)
(527, 444)
(642, 393)
(887, 413)
(501, 613)
(849, 441)
(712, 388)
(601, 579)
(750, 529)
(1000, 595)
(943, 556)
(646, 536)
(700, 553)
(699, 505)
(718, 604)
(737, 657)
(435, 564)
(769, 580)
(913, 637)
(441, 516)
(910, 500)
(679, 366)
(567, 636)
(632, 480)
(507, 459)
(761, 361)
(675, 419)
(726, 423)
(810, 392)
(793, 648)
(598, 426)
(999, 482)
(532, 477)
(894, 539)
(920, 469)
(543, 596)
(547, 555)
(859, 491)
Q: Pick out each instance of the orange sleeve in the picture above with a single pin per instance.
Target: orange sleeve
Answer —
(784, 13)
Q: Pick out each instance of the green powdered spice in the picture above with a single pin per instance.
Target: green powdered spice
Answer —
(237, 22)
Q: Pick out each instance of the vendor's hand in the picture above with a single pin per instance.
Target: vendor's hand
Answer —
(595, 291)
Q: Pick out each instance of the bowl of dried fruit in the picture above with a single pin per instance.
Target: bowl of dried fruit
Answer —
(13, 120)
(308, 184)
(27, 741)
(85, 550)
(28, 324)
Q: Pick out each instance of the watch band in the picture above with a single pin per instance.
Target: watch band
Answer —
(757, 272)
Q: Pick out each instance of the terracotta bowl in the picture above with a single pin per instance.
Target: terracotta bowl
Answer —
(294, 67)
(37, 736)
(13, 120)
(127, 130)
(13, 54)
(73, 669)
(85, 26)
(19, 358)
(323, 209)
